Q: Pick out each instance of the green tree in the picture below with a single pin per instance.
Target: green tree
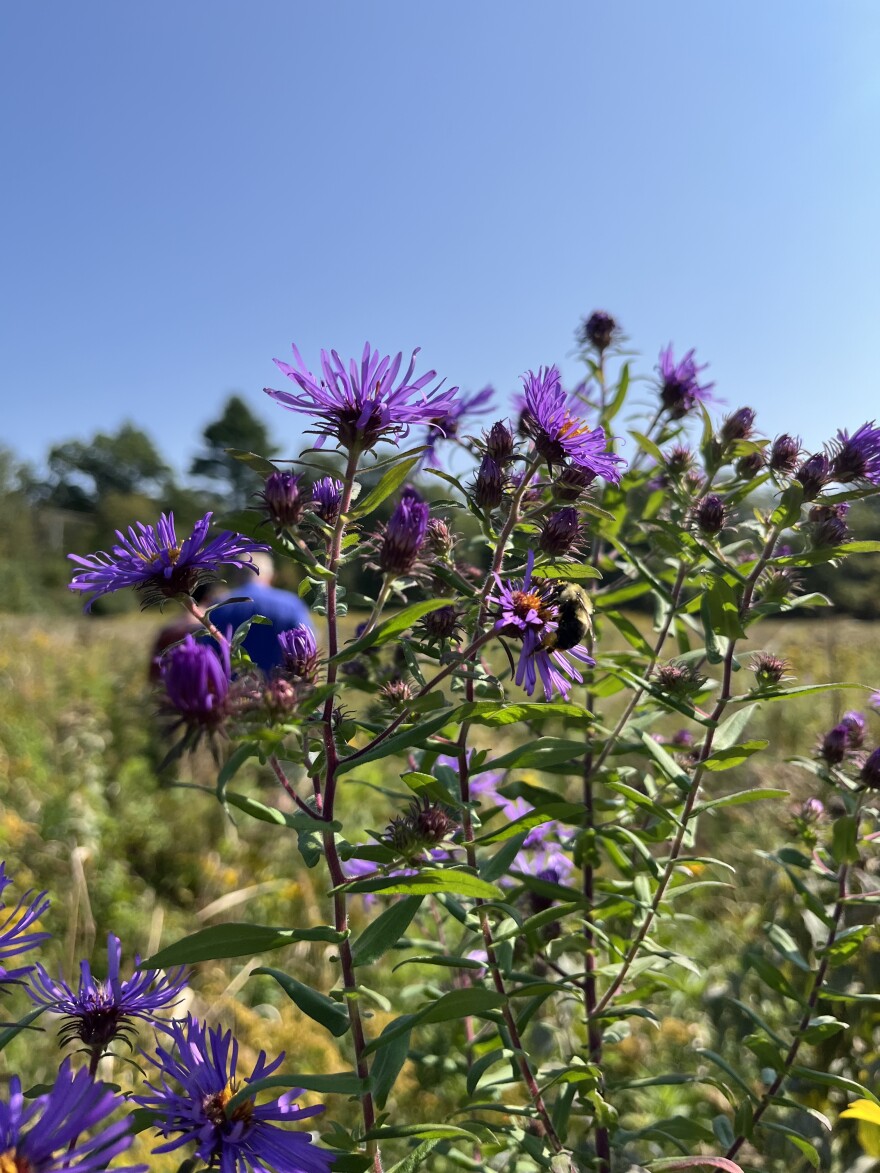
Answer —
(237, 428)
(83, 473)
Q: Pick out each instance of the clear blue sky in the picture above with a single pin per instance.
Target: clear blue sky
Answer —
(189, 187)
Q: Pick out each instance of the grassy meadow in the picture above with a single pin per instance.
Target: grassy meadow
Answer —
(86, 814)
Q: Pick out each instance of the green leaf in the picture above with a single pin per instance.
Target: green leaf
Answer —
(669, 767)
(758, 794)
(735, 755)
(416, 1157)
(494, 714)
(390, 481)
(537, 754)
(406, 739)
(258, 463)
(729, 732)
(569, 571)
(825, 1079)
(400, 622)
(297, 820)
(385, 931)
(392, 1048)
(847, 943)
(800, 1143)
(427, 786)
(649, 446)
(429, 1131)
(723, 606)
(426, 883)
(234, 939)
(322, 1009)
(630, 632)
(10, 1032)
(844, 839)
(665, 1164)
(798, 690)
(233, 764)
(457, 1004)
(812, 557)
(339, 1083)
(824, 1026)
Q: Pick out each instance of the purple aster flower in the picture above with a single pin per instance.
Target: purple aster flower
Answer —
(101, 1011)
(448, 426)
(560, 531)
(404, 535)
(50, 1131)
(196, 679)
(326, 499)
(527, 611)
(827, 525)
(558, 433)
(299, 651)
(363, 404)
(15, 930)
(784, 454)
(680, 388)
(857, 457)
(152, 561)
(711, 514)
(541, 850)
(203, 1064)
(834, 745)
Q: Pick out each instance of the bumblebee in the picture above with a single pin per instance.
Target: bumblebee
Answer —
(575, 616)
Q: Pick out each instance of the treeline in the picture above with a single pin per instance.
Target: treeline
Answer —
(90, 488)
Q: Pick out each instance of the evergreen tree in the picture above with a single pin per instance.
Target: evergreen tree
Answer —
(236, 428)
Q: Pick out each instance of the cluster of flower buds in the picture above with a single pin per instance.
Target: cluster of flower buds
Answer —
(425, 825)
(491, 479)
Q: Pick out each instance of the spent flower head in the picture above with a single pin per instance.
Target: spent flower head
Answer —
(362, 403)
(198, 1077)
(102, 1010)
(64, 1128)
(560, 435)
(157, 565)
(769, 670)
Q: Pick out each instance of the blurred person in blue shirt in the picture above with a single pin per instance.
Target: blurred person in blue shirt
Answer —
(257, 596)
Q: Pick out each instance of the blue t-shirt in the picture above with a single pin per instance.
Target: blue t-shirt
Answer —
(261, 642)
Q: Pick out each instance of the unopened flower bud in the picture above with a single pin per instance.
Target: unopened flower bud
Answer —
(489, 485)
(561, 530)
(711, 514)
(433, 823)
(326, 499)
(299, 652)
(196, 683)
(283, 500)
(834, 745)
(871, 770)
(768, 669)
(784, 454)
(737, 425)
(442, 623)
(828, 526)
(748, 467)
(404, 536)
(679, 679)
(499, 442)
(678, 460)
(598, 330)
(440, 540)
(814, 474)
(572, 482)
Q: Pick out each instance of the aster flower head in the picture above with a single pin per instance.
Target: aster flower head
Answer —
(327, 498)
(854, 723)
(448, 427)
(711, 514)
(870, 774)
(299, 651)
(197, 679)
(559, 435)
(404, 535)
(17, 934)
(827, 525)
(739, 425)
(489, 483)
(499, 442)
(526, 611)
(833, 746)
(202, 1064)
(361, 404)
(52, 1131)
(769, 670)
(680, 387)
(157, 565)
(857, 457)
(100, 1011)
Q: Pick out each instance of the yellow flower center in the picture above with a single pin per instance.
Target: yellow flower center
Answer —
(10, 1162)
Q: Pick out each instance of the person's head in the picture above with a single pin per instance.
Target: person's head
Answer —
(263, 572)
